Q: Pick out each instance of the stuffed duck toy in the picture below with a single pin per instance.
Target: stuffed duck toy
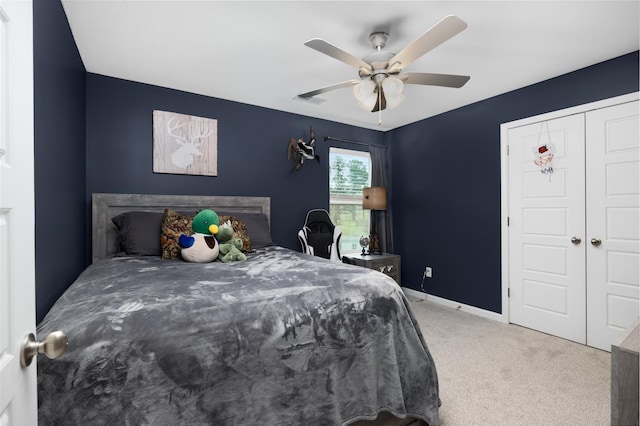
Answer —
(201, 247)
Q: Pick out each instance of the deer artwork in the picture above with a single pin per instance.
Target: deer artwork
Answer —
(189, 145)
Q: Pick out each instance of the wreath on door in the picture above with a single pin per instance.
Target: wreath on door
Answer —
(544, 152)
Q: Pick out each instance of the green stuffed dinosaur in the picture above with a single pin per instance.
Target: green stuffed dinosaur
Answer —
(229, 246)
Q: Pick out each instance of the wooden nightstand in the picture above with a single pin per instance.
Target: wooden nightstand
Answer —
(388, 264)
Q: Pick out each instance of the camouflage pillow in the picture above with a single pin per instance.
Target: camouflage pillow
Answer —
(173, 225)
(239, 231)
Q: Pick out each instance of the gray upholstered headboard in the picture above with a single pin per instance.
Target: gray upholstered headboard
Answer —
(106, 206)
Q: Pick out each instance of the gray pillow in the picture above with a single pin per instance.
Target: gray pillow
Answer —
(139, 232)
(257, 227)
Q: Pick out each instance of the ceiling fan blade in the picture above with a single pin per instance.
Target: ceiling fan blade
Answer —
(329, 49)
(445, 80)
(430, 39)
(381, 103)
(325, 89)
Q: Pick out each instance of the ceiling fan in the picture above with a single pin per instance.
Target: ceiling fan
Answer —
(381, 82)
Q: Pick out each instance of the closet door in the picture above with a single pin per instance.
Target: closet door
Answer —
(613, 234)
(547, 228)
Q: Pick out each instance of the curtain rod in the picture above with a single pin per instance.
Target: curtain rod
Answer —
(330, 138)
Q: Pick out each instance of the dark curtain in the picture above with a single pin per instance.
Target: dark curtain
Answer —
(381, 218)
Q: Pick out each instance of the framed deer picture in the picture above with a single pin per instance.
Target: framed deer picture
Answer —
(184, 144)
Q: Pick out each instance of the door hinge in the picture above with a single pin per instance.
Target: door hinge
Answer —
(508, 221)
(507, 149)
(509, 292)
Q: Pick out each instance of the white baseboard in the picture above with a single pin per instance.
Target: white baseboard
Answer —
(455, 305)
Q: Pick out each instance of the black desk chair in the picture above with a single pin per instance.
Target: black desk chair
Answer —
(319, 236)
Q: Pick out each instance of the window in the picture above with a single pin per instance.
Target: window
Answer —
(349, 172)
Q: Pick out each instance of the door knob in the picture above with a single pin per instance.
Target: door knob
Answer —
(54, 345)
(576, 240)
(596, 241)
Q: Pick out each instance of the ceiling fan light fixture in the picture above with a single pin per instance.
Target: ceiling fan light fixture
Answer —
(368, 103)
(392, 87)
(379, 86)
(366, 94)
(364, 89)
(394, 101)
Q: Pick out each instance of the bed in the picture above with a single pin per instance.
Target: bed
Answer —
(282, 338)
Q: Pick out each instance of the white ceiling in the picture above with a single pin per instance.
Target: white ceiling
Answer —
(253, 52)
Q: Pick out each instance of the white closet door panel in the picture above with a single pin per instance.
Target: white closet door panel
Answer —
(613, 217)
(546, 270)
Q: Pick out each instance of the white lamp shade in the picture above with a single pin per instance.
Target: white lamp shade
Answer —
(369, 102)
(393, 102)
(374, 198)
(393, 87)
(364, 89)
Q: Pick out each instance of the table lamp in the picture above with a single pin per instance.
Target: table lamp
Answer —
(374, 198)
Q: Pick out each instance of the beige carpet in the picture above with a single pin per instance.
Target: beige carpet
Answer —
(502, 374)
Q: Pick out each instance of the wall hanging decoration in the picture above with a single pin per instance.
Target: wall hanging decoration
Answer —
(184, 144)
(301, 150)
(543, 152)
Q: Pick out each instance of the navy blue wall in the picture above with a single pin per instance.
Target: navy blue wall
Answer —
(446, 181)
(252, 150)
(59, 96)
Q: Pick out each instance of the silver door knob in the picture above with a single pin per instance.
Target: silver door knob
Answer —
(596, 241)
(54, 345)
(576, 240)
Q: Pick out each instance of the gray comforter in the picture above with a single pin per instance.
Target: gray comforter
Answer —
(280, 339)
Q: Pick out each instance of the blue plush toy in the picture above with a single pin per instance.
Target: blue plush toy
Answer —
(201, 247)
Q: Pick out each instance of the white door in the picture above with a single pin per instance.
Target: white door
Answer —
(18, 397)
(613, 234)
(546, 211)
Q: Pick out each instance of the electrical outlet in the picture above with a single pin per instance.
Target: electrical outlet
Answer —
(428, 272)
